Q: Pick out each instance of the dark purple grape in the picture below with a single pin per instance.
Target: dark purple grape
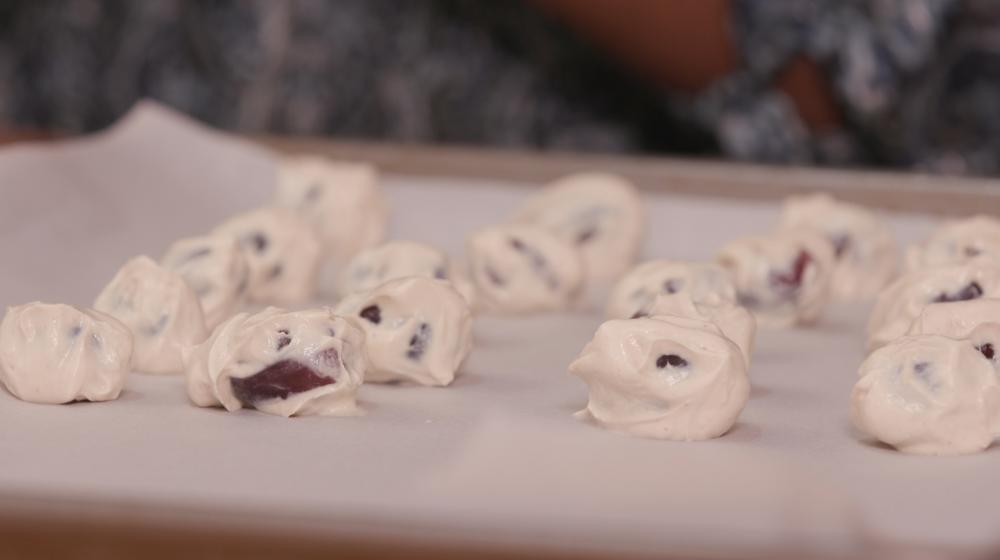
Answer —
(791, 280)
(672, 360)
(972, 291)
(283, 340)
(419, 341)
(257, 240)
(841, 243)
(277, 381)
(372, 313)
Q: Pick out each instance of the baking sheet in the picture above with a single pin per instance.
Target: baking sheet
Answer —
(495, 458)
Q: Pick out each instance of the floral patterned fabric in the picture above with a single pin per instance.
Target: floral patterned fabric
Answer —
(409, 70)
(917, 81)
(900, 71)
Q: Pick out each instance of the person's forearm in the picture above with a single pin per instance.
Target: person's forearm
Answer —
(685, 45)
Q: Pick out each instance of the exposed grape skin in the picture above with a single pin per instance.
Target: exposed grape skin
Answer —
(277, 381)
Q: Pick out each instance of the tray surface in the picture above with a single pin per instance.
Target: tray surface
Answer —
(495, 457)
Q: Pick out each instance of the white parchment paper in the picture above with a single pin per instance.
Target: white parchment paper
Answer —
(496, 457)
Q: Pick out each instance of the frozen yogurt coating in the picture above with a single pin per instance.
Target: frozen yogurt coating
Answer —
(55, 353)
(665, 377)
(416, 329)
(867, 256)
(160, 309)
(956, 319)
(782, 277)
(282, 251)
(523, 269)
(956, 242)
(399, 259)
(215, 267)
(929, 394)
(599, 213)
(704, 282)
(734, 321)
(902, 301)
(342, 200)
(284, 363)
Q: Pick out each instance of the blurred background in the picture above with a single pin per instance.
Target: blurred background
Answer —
(910, 84)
